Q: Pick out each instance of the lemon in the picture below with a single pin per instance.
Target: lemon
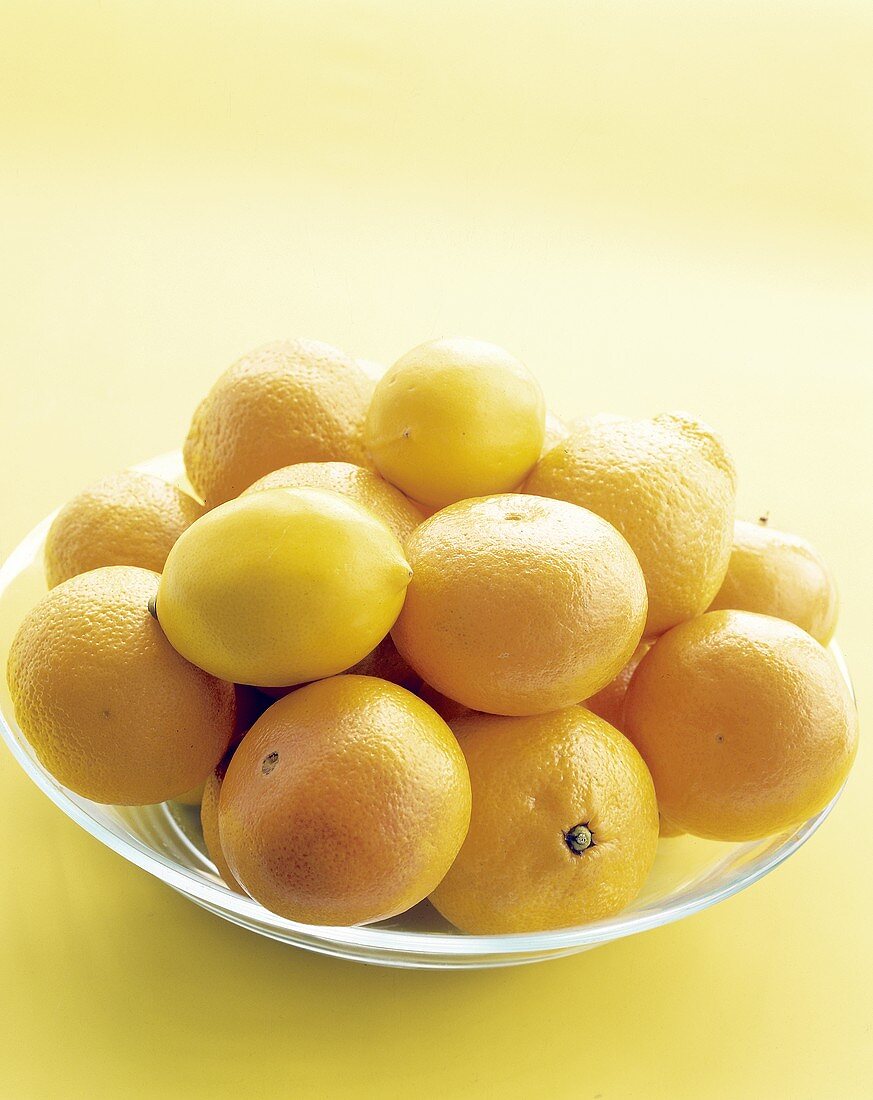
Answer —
(454, 419)
(281, 587)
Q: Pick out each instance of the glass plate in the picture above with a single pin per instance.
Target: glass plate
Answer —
(165, 840)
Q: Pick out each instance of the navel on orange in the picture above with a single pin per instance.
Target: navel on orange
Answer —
(564, 826)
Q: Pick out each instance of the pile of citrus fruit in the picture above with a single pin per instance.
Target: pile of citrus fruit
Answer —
(409, 636)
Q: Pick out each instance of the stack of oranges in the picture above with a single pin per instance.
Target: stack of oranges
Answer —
(411, 636)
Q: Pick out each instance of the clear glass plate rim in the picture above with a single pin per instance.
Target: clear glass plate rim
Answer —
(373, 937)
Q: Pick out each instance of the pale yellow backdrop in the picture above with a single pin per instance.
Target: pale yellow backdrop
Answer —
(657, 205)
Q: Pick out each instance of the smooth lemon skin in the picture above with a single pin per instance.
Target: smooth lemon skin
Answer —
(745, 722)
(281, 587)
(363, 486)
(519, 604)
(775, 573)
(534, 780)
(346, 803)
(669, 486)
(456, 418)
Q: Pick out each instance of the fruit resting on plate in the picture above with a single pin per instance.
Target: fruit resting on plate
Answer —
(406, 633)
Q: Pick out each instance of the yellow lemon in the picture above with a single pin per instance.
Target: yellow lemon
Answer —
(668, 485)
(281, 587)
(456, 418)
(778, 574)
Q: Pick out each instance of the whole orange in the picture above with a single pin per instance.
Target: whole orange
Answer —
(775, 573)
(110, 708)
(346, 802)
(128, 518)
(518, 604)
(669, 486)
(290, 401)
(745, 722)
(564, 827)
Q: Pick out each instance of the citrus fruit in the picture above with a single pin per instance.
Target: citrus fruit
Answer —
(209, 823)
(359, 484)
(668, 485)
(128, 518)
(110, 708)
(346, 802)
(556, 430)
(608, 703)
(289, 401)
(455, 418)
(564, 826)
(384, 662)
(778, 574)
(283, 586)
(518, 604)
(250, 705)
(745, 722)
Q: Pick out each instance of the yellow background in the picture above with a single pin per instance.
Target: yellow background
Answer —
(656, 205)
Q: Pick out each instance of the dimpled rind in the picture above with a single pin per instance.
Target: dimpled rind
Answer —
(363, 486)
(345, 804)
(669, 486)
(286, 402)
(534, 779)
(746, 724)
(775, 573)
(519, 604)
(110, 708)
(129, 518)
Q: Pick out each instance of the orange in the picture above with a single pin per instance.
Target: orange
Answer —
(209, 823)
(746, 724)
(362, 486)
(250, 705)
(556, 430)
(668, 485)
(346, 803)
(564, 827)
(455, 418)
(519, 605)
(110, 708)
(128, 518)
(290, 401)
(608, 703)
(778, 574)
(384, 662)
